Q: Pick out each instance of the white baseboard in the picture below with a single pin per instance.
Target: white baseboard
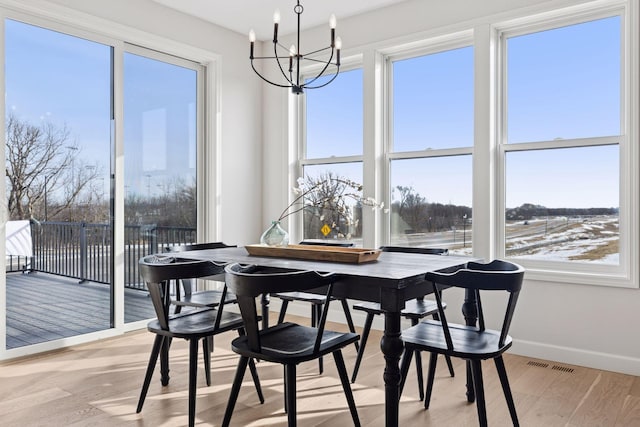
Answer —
(576, 356)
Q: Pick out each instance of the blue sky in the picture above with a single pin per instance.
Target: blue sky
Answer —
(66, 81)
(562, 83)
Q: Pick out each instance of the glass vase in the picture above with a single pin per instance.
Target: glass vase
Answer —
(275, 235)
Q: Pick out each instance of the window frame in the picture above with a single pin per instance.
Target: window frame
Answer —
(431, 46)
(297, 105)
(489, 150)
(625, 273)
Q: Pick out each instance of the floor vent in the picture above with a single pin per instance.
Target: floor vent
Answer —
(538, 364)
(562, 369)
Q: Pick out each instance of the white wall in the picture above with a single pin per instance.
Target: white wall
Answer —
(570, 323)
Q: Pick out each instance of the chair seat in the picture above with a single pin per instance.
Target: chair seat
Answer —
(301, 296)
(414, 309)
(468, 341)
(197, 323)
(292, 343)
(204, 299)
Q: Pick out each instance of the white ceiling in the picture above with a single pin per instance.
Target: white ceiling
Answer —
(243, 15)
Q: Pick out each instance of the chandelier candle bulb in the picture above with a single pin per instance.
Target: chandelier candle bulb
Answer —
(252, 39)
(338, 47)
(292, 53)
(332, 25)
(276, 21)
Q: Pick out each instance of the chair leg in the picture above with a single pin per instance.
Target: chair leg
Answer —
(347, 316)
(286, 398)
(344, 378)
(363, 342)
(153, 359)
(433, 361)
(418, 355)
(414, 322)
(290, 392)
(316, 313)
(450, 366)
(235, 389)
(283, 310)
(447, 358)
(476, 372)
(256, 379)
(404, 368)
(193, 380)
(254, 371)
(206, 355)
(502, 373)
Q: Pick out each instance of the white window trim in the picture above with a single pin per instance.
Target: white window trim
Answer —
(488, 180)
(626, 273)
(297, 104)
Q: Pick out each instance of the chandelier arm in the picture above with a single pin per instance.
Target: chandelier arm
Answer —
(281, 45)
(320, 61)
(324, 84)
(269, 81)
(275, 52)
(320, 73)
(317, 51)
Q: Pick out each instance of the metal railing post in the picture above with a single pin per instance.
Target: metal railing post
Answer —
(83, 252)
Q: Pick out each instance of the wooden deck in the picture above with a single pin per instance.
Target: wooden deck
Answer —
(43, 307)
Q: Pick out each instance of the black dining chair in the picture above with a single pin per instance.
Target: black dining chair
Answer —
(186, 293)
(157, 271)
(473, 344)
(285, 343)
(415, 310)
(317, 301)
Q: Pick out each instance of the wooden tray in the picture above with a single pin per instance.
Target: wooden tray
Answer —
(316, 252)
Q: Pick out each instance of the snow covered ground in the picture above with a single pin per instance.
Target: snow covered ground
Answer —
(585, 240)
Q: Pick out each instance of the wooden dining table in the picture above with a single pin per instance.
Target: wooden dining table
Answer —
(392, 279)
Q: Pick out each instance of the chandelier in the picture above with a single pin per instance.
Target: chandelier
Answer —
(291, 74)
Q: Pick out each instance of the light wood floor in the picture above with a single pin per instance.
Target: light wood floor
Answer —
(97, 384)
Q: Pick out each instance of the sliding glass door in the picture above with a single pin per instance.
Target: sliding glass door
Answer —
(58, 105)
(160, 143)
(62, 94)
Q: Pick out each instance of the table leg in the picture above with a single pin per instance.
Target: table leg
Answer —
(264, 302)
(470, 313)
(391, 346)
(164, 361)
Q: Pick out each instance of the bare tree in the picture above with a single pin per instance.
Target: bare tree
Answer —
(412, 207)
(41, 163)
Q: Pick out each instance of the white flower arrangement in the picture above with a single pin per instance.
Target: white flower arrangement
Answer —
(330, 195)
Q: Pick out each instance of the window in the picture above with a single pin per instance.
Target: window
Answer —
(562, 140)
(514, 139)
(431, 144)
(334, 149)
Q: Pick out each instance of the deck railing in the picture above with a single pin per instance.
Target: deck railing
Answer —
(83, 250)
